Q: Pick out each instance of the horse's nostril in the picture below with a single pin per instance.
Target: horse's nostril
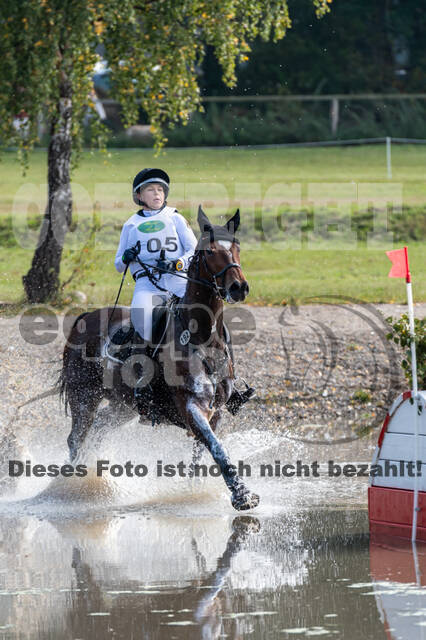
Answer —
(238, 290)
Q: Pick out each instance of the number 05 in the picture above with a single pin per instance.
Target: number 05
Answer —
(171, 244)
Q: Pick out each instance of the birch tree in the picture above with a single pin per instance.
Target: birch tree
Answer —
(153, 47)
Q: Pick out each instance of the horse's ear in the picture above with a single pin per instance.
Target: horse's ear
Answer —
(233, 224)
(203, 221)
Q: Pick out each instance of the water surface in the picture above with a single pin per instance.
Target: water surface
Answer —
(155, 558)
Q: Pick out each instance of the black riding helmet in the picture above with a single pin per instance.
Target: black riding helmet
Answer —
(146, 176)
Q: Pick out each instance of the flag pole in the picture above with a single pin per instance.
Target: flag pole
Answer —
(411, 324)
(400, 269)
(414, 394)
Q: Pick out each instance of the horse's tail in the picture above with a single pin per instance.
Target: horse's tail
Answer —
(61, 385)
(53, 391)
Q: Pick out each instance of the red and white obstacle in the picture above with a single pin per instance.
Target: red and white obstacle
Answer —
(397, 491)
(391, 495)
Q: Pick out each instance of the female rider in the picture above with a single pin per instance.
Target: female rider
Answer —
(153, 228)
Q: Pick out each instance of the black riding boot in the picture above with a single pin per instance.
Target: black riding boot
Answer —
(238, 398)
(143, 391)
(121, 343)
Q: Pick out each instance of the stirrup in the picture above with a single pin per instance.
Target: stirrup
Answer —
(238, 398)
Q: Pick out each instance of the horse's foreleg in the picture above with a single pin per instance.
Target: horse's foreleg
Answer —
(241, 497)
(198, 447)
(83, 409)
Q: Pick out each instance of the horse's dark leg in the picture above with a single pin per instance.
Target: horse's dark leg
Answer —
(241, 498)
(83, 408)
(116, 413)
(198, 446)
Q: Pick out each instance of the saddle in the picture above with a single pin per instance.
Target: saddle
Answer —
(123, 336)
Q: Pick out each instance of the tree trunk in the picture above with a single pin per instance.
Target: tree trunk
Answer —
(41, 283)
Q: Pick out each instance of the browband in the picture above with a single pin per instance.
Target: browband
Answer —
(213, 234)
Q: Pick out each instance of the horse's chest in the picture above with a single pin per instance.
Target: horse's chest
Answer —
(201, 386)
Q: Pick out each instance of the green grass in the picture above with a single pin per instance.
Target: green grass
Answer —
(277, 277)
(324, 184)
(228, 176)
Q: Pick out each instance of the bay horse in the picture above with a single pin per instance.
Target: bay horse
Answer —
(194, 377)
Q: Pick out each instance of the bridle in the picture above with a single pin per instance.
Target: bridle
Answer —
(200, 255)
(219, 290)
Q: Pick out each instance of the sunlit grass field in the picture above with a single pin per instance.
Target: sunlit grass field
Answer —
(303, 231)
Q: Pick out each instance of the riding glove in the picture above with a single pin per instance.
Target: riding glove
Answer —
(129, 255)
(166, 264)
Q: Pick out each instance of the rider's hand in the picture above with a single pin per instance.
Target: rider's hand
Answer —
(166, 264)
(129, 255)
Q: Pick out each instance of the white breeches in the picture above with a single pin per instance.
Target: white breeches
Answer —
(146, 296)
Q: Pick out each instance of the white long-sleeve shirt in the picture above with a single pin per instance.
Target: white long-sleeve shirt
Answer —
(164, 229)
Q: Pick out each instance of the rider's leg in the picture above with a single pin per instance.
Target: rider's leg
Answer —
(145, 299)
(141, 316)
(238, 398)
(141, 311)
(176, 285)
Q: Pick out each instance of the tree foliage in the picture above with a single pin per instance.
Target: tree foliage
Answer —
(400, 335)
(360, 47)
(47, 50)
(153, 47)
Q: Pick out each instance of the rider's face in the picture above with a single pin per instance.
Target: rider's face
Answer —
(153, 195)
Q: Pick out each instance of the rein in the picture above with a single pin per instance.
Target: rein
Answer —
(212, 284)
(207, 283)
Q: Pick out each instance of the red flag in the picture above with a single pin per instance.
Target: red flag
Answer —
(399, 259)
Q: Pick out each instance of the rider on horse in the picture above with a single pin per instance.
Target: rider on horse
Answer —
(159, 237)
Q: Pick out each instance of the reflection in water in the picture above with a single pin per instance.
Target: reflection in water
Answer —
(155, 559)
(153, 576)
(398, 569)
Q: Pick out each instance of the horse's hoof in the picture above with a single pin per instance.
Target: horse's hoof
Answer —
(242, 500)
(245, 525)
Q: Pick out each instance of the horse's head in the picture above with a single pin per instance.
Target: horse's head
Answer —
(219, 252)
